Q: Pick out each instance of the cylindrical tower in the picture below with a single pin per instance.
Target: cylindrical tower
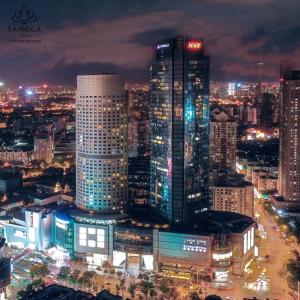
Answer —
(101, 143)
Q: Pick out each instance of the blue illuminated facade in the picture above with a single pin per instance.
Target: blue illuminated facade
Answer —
(179, 143)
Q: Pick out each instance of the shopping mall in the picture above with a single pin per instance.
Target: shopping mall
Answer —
(218, 244)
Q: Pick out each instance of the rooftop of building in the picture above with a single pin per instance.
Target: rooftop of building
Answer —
(276, 197)
(146, 216)
(8, 199)
(216, 222)
(232, 180)
(42, 135)
(219, 115)
(91, 216)
(269, 177)
(205, 223)
(9, 176)
(17, 213)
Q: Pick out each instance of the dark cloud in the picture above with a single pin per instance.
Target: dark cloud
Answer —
(282, 41)
(150, 37)
(120, 36)
(65, 73)
(275, 41)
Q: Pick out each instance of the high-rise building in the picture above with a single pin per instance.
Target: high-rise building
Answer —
(231, 89)
(266, 109)
(289, 149)
(101, 138)
(179, 143)
(44, 147)
(223, 132)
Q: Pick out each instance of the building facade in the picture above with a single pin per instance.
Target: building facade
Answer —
(289, 149)
(101, 143)
(179, 142)
(223, 133)
(235, 195)
(44, 147)
(222, 246)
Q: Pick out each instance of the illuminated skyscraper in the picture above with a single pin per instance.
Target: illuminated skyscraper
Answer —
(101, 135)
(179, 143)
(223, 132)
(289, 159)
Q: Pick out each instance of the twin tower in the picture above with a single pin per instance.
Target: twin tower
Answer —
(179, 161)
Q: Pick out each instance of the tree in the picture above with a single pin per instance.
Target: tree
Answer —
(97, 282)
(39, 271)
(152, 293)
(74, 277)
(31, 289)
(213, 297)
(64, 273)
(293, 269)
(146, 286)
(119, 274)
(117, 289)
(173, 293)
(21, 294)
(85, 281)
(131, 289)
(122, 285)
(163, 287)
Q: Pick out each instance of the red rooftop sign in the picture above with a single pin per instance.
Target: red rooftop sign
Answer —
(194, 45)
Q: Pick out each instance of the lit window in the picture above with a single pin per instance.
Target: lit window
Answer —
(100, 244)
(82, 230)
(91, 243)
(82, 242)
(82, 236)
(92, 231)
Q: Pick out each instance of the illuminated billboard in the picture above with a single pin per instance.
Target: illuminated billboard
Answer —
(194, 245)
(185, 246)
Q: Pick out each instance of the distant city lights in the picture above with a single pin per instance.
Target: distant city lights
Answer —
(29, 92)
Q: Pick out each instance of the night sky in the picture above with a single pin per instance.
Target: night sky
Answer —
(120, 36)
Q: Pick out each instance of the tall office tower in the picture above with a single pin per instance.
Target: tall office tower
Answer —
(289, 149)
(179, 142)
(259, 90)
(266, 109)
(22, 95)
(101, 143)
(223, 132)
(231, 89)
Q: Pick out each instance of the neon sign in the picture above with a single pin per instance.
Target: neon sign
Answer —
(194, 45)
(162, 46)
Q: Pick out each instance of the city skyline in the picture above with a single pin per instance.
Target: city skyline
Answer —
(170, 170)
(233, 31)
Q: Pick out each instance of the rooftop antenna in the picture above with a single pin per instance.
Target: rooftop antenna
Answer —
(260, 64)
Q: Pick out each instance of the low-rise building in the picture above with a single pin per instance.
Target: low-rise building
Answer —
(267, 183)
(217, 244)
